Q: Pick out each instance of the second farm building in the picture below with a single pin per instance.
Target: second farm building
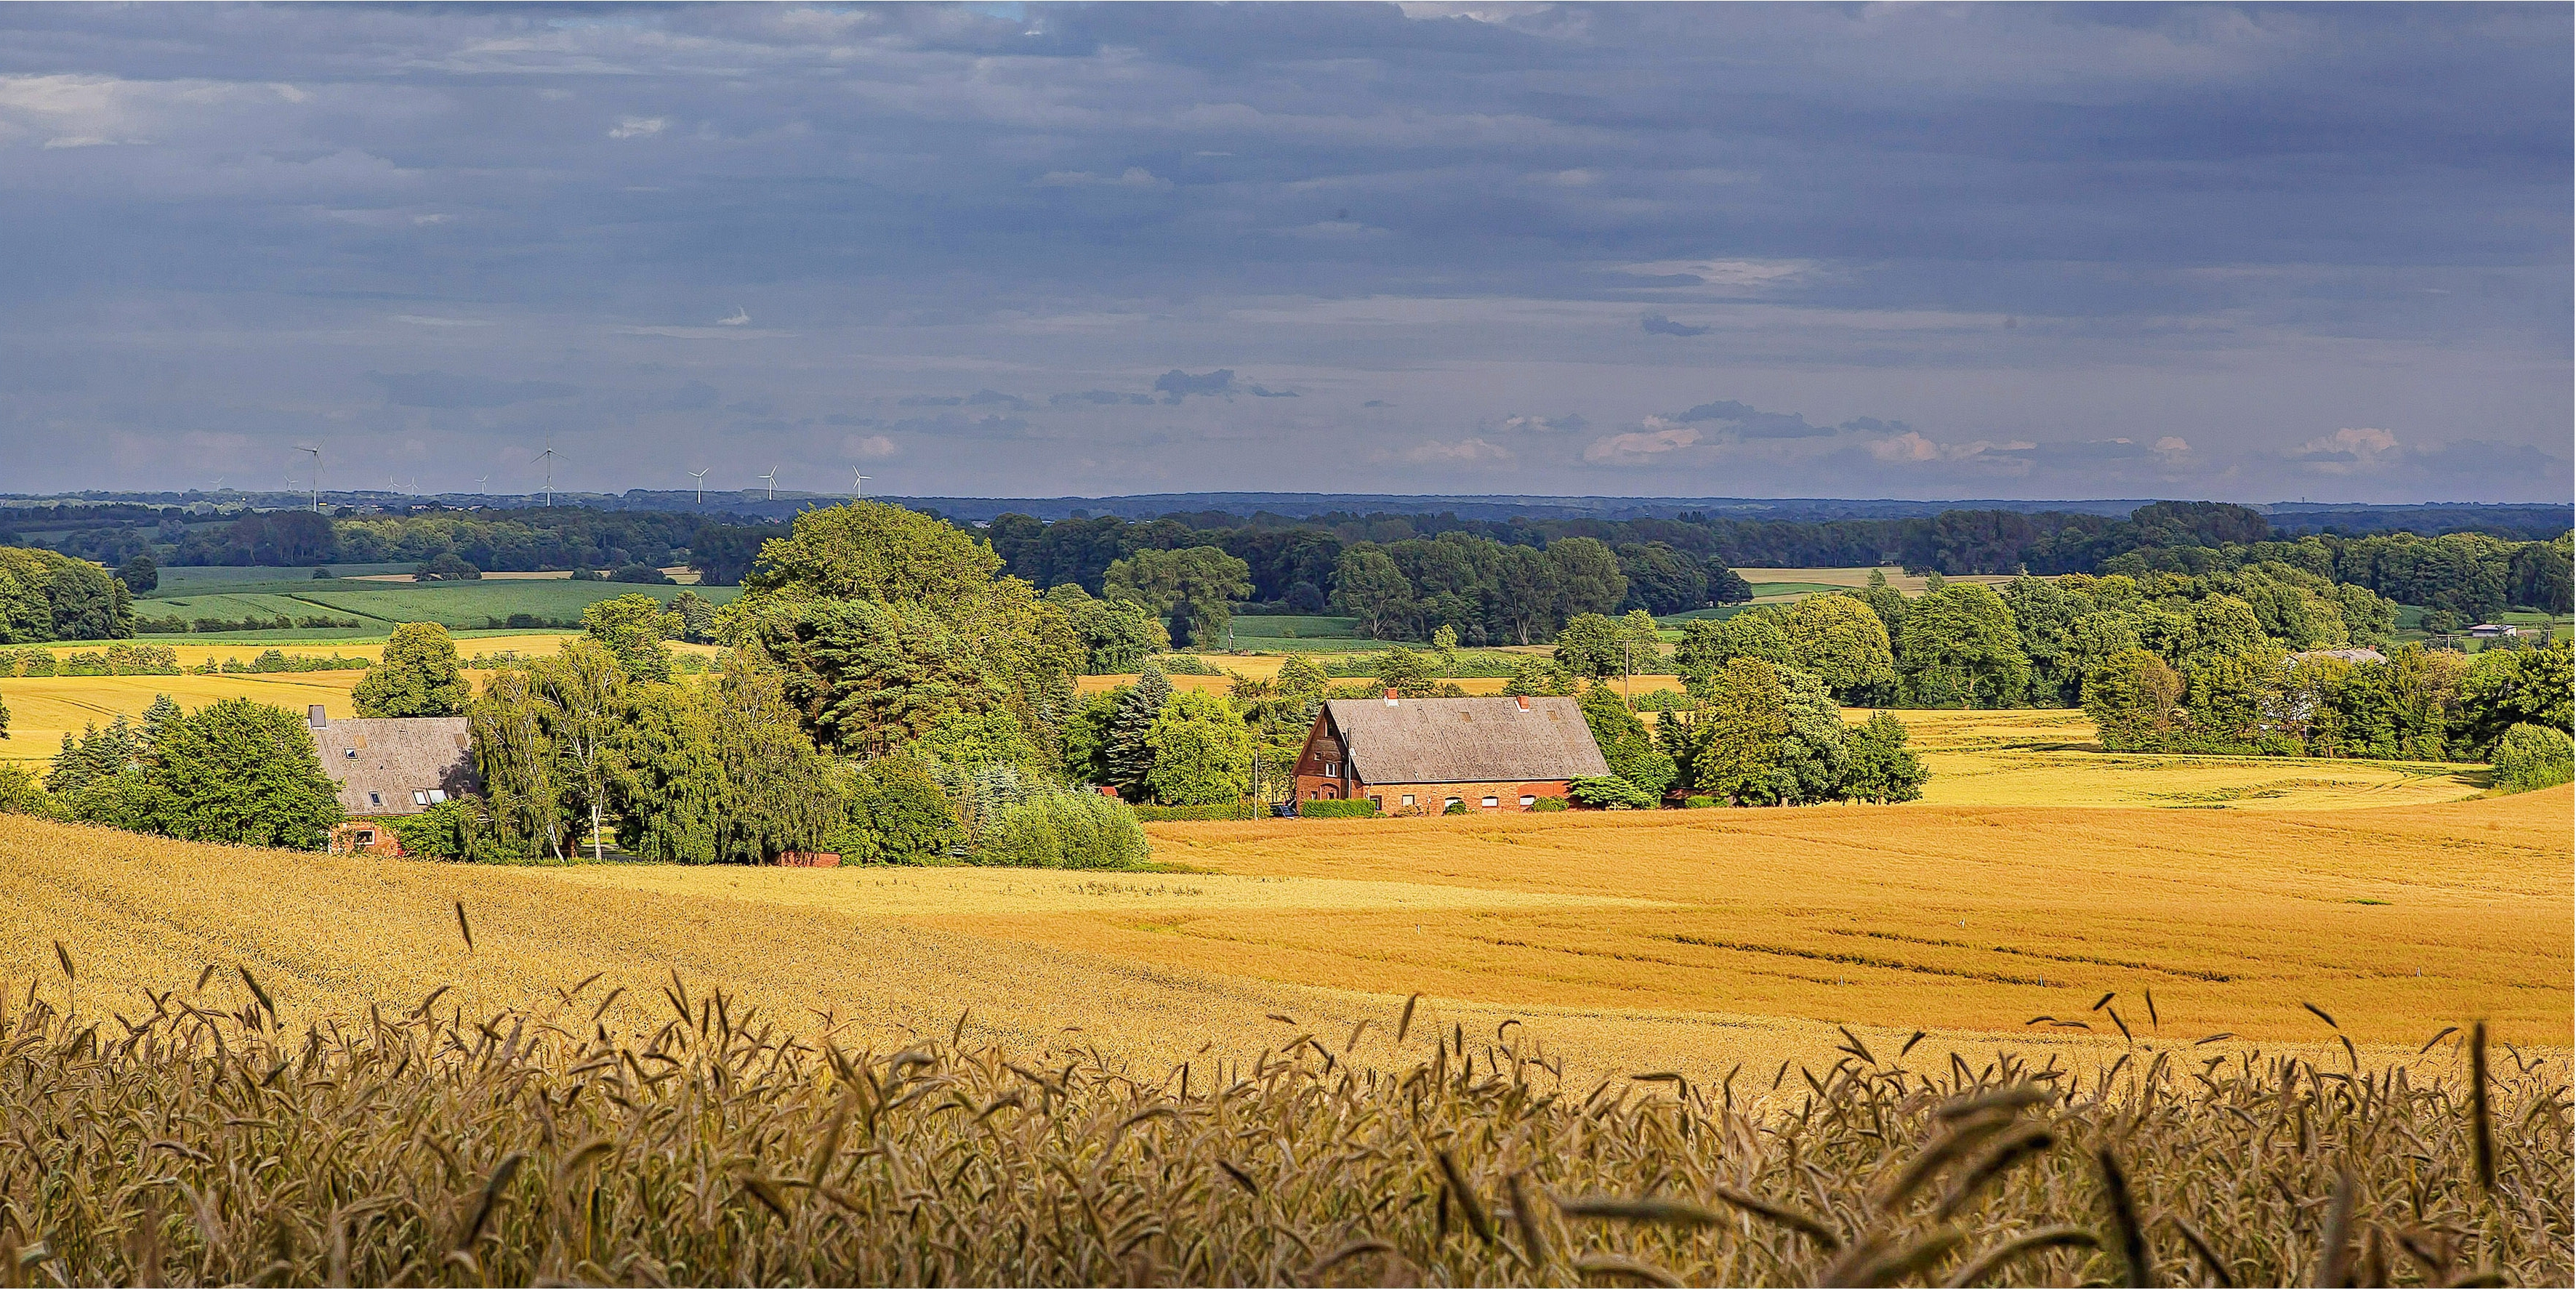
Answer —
(1422, 756)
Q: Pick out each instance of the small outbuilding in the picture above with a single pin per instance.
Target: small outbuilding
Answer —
(1422, 756)
(391, 766)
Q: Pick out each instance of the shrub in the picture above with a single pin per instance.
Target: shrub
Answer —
(447, 566)
(1357, 808)
(459, 828)
(2530, 757)
(1548, 804)
(1608, 793)
(1232, 811)
(1454, 808)
(1187, 665)
(1698, 802)
(1060, 830)
(21, 793)
(640, 573)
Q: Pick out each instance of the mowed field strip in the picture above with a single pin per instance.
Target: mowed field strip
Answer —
(1697, 941)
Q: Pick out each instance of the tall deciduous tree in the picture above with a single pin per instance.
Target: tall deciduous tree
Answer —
(1202, 753)
(515, 756)
(632, 629)
(1194, 586)
(1624, 742)
(418, 676)
(1959, 649)
(1881, 767)
(1368, 586)
(244, 772)
(871, 551)
(1844, 645)
(2131, 697)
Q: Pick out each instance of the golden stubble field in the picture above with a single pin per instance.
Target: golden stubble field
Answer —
(1695, 941)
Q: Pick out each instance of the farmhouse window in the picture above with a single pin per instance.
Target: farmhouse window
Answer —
(352, 753)
(375, 799)
(1407, 799)
(1450, 803)
(1492, 802)
(419, 798)
(437, 795)
(1377, 803)
(1528, 800)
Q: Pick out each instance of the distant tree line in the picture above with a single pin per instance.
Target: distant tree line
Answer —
(1406, 576)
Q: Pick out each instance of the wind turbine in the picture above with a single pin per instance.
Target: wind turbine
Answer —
(701, 477)
(480, 481)
(772, 477)
(548, 457)
(317, 474)
(861, 481)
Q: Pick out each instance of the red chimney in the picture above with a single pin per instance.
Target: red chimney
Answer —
(1390, 694)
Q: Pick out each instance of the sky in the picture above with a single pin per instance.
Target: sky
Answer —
(2240, 253)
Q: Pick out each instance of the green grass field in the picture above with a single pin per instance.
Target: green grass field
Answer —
(380, 605)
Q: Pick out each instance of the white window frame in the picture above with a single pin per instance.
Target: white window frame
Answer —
(1407, 799)
(1492, 801)
(1528, 800)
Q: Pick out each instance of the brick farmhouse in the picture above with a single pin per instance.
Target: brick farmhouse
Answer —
(388, 766)
(1419, 756)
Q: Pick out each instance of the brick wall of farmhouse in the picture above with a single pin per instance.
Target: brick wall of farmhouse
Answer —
(1430, 799)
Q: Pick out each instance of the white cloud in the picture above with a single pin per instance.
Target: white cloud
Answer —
(2347, 451)
(1544, 425)
(439, 218)
(875, 447)
(1738, 274)
(640, 127)
(1911, 447)
(1131, 177)
(80, 141)
(2171, 445)
(425, 320)
(1464, 451)
(1641, 447)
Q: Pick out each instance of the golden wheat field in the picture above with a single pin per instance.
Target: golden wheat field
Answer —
(1691, 940)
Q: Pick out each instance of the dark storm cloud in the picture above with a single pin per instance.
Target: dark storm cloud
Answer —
(2257, 228)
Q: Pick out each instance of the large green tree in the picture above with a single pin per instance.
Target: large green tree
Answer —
(632, 629)
(1844, 645)
(2132, 697)
(418, 676)
(244, 772)
(1194, 586)
(1368, 586)
(1624, 742)
(871, 551)
(1202, 752)
(1960, 649)
(1881, 768)
(1116, 635)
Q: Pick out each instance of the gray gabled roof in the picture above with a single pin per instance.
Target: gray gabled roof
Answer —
(1454, 741)
(381, 761)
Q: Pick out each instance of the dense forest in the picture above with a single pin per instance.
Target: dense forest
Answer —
(1493, 581)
